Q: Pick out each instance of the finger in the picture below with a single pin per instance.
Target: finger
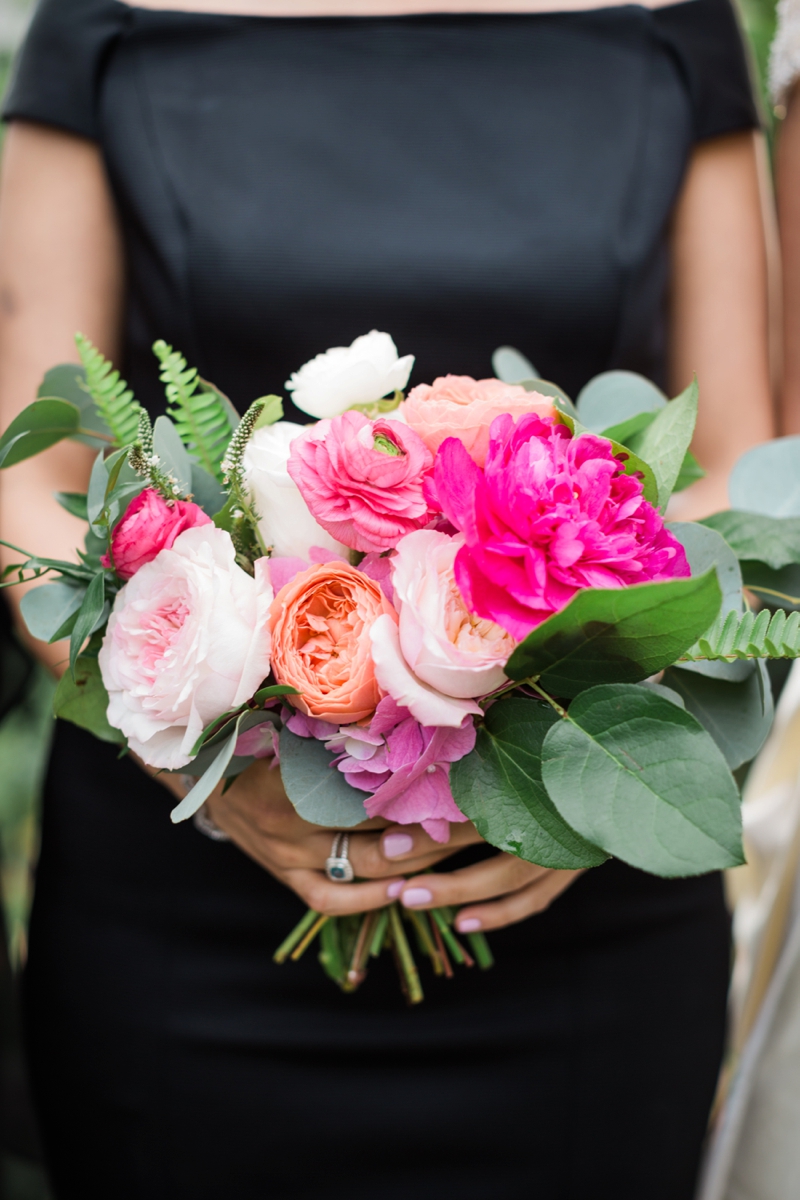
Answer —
(493, 877)
(337, 899)
(400, 843)
(534, 898)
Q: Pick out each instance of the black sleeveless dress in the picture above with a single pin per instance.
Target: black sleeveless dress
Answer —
(285, 185)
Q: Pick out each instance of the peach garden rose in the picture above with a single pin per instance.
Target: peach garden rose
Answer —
(320, 624)
(462, 407)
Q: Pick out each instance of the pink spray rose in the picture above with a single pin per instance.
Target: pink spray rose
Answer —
(362, 480)
(187, 640)
(549, 515)
(150, 524)
(462, 407)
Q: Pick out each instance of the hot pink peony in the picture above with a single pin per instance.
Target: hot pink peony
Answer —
(463, 407)
(362, 479)
(548, 515)
(150, 525)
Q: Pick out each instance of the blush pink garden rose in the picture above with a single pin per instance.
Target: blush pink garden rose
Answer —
(549, 515)
(150, 524)
(441, 654)
(462, 407)
(362, 480)
(187, 640)
(320, 624)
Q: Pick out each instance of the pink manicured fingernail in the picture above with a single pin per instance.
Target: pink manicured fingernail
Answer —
(396, 844)
(416, 896)
(469, 925)
(394, 889)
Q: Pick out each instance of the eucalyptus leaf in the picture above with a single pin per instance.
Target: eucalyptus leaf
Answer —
(774, 541)
(319, 792)
(499, 787)
(67, 628)
(766, 479)
(47, 607)
(706, 548)
(173, 454)
(74, 503)
(511, 366)
(638, 776)
(621, 634)
(778, 589)
(39, 426)
(689, 473)
(205, 785)
(616, 396)
(663, 444)
(89, 613)
(96, 494)
(67, 381)
(626, 429)
(206, 491)
(737, 715)
(560, 398)
(81, 698)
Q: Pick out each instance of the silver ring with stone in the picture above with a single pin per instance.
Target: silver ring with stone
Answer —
(338, 867)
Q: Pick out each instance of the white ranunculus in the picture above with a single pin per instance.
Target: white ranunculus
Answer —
(188, 639)
(346, 375)
(284, 520)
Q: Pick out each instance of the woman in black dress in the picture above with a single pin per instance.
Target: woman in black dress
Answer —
(254, 189)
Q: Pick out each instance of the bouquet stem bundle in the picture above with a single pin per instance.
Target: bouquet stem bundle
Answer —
(348, 943)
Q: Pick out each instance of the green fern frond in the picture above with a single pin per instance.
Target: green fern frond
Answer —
(749, 635)
(197, 411)
(112, 397)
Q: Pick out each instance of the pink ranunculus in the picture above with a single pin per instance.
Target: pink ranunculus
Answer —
(549, 515)
(444, 644)
(362, 480)
(462, 407)
(150, 525)
(188, 639)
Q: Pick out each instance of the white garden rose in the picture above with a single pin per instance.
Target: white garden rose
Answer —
(284, 523)
(187, 640)
(346, 375)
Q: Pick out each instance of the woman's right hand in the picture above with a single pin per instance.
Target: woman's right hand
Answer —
(257, 815)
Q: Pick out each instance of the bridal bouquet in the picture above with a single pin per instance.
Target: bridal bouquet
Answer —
(462, 603)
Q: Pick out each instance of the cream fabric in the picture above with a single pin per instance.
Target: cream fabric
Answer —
(755, 1153)
(784, 67)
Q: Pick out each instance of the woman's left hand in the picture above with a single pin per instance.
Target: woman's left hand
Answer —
(516, 889)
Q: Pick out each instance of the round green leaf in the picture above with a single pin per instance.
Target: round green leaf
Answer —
(81, 698)
(319, 792)
(616, 396)
(774, 541)
(638, 776)
(499, 787)
(511, 366)
(624, 634)
(738, 715)
(36, 428)
(766, 479)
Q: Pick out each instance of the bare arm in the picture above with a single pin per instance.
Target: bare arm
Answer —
(719, 312)
(61, 269)
(788, 184)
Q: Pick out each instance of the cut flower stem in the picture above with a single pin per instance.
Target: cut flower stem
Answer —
(349, 942)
